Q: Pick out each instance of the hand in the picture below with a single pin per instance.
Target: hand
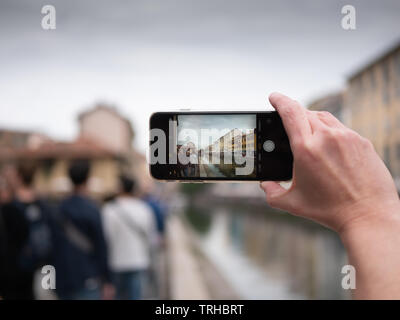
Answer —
(340, 182)
(338, 178)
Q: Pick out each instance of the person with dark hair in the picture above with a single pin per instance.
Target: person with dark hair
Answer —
(127, 184)
(78, 172)
(14, 282)
(130, 230)
(26, 172)
(157, 274)
(25, 225)
(81, 259)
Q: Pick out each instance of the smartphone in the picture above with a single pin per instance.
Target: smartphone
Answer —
(190, 146)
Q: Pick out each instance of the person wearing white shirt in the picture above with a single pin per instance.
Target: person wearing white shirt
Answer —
(130, 231)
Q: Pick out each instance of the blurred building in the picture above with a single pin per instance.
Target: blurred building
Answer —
(373, 100)
(105, 139)
(106, 126)
(234, 140)
(53, 159)
(21, 139)
(332, 103)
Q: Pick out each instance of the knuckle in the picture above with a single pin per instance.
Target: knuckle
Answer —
(366, 143)
(332, 135)
(345, 137)
(339, 136)
(305, 150)
(325, 114)
(354, 137)
(308, 148)
(349, 135)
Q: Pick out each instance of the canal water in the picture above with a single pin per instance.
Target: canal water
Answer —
(267, 254)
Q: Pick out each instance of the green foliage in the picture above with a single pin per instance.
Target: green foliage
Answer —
(191, 189)
(199, 220)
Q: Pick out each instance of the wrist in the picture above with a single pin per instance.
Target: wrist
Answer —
(369, 215)
(372, 243)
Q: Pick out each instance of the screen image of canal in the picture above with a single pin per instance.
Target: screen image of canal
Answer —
(215, 145)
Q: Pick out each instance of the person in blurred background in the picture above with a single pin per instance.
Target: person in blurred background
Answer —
(6, 189)
(130, 230)
(13, 232)
(158, 210)
(81, 253)
(26, 234)
(157, 273)
(339, 181)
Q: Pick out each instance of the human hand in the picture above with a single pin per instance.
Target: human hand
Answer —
(338, 178)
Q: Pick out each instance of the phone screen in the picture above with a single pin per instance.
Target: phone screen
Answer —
(217, 146)
(200, 146)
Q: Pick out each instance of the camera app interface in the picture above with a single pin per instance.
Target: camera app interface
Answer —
(217, 146)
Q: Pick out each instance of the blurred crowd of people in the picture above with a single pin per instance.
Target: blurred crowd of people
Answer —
(107, 250)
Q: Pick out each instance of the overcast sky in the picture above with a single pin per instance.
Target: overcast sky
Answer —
(149, 55)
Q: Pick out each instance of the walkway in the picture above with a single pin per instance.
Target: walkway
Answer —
(209, 170)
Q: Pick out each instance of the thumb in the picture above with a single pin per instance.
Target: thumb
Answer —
(277, 196)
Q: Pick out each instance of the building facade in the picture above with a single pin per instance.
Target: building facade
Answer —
(106, 126)
(21, 139)
(233, 141)
(373, 101)
(105, 140)
(332, 103)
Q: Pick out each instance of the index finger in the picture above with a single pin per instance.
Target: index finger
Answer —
(293, 115)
